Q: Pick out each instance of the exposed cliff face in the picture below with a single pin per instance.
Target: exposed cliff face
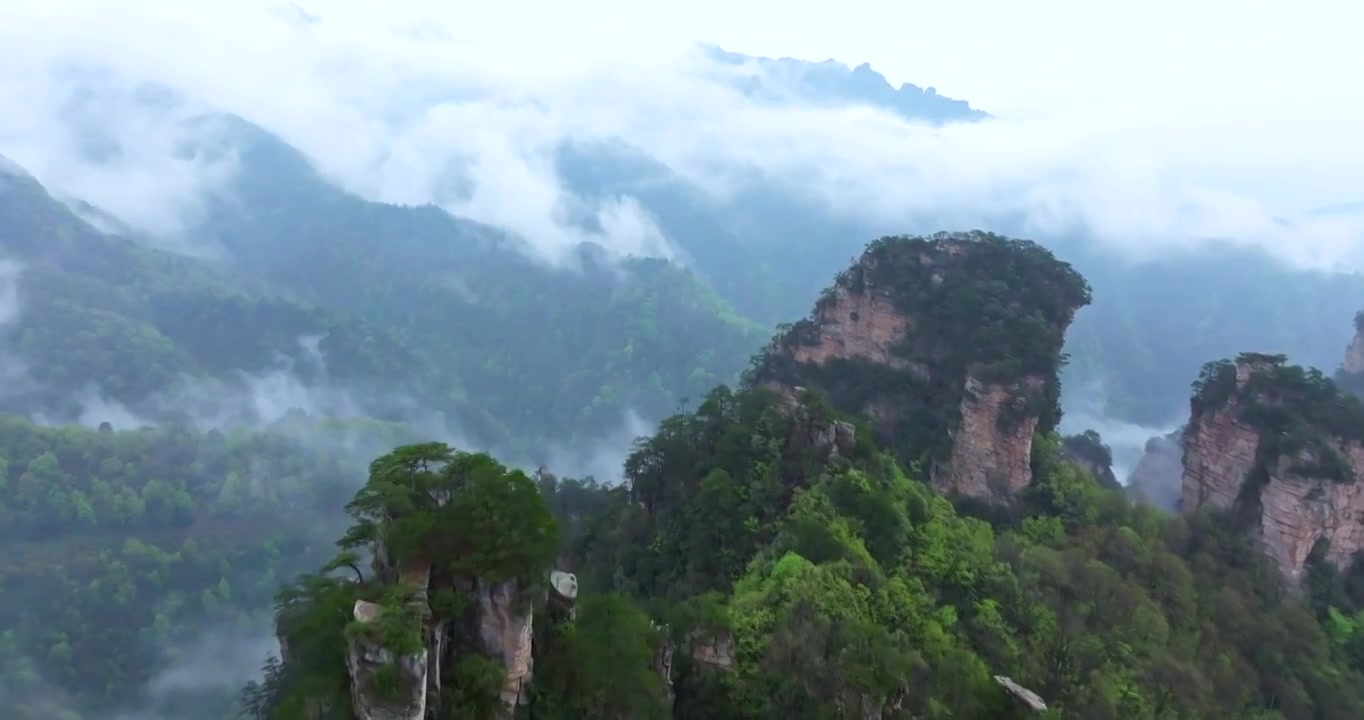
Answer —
(1350, 376)
(404, 686)
(384, 686)
(662, 664)
(504, 634)
(950, 344)
(440, 603)
(864, 325)
(1283, 448)
(714, 650)
(991, 457)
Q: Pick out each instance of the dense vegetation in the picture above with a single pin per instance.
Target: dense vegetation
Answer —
(979, 305)
(800, 571)
(845, 583)
(1104, 609)
(1088, 449)
(561, 354)
(119, 551)
(100, 314)
(1298, 412)
(310, 276)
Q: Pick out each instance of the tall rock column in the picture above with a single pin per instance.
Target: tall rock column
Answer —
(950, 344)
(1283, 449)
(504, 625)
(384, 685)
(992, 446)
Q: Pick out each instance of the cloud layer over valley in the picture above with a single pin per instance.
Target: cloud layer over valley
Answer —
(399, 105)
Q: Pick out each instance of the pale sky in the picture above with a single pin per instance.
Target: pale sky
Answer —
(1122, 117)
(1277, 81)
(1022, 58)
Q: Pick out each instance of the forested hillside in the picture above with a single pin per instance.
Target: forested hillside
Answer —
(100, 316)
(559, 354)
(376, 300)
(765, 558)
(122, 550)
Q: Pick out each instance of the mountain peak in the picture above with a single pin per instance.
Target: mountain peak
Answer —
(950, 343)
(834, 82)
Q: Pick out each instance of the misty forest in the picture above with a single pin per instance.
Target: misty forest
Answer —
(645, 436)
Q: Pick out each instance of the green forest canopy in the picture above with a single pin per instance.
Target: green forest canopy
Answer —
(846, 579)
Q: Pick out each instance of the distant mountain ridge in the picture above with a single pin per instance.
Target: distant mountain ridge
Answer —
(458, 320)
(831, 80)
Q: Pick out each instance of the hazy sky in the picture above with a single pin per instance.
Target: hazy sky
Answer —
(1013, 57)
(1152, 124)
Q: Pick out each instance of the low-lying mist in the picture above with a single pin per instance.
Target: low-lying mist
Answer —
(1084, 409)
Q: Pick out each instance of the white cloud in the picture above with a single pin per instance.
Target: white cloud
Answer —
(240, 400)
(397, 101)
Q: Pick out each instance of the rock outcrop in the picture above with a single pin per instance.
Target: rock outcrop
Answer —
(1353, 363)
(949, 344)
(662, 663)
(563, 595)
(1283, 449)
(431, 601)
(504, 634)
(1023, 696)
(404, 686)
(384, 685)
(991, 458)
(1350, 376)
(1088, 452)
(830, 438)
(714, 650)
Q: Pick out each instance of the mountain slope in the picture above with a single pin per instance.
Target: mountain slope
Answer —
(766, 559)
(126, 555)
(562, 355)
(553, 352)
(98, 312)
